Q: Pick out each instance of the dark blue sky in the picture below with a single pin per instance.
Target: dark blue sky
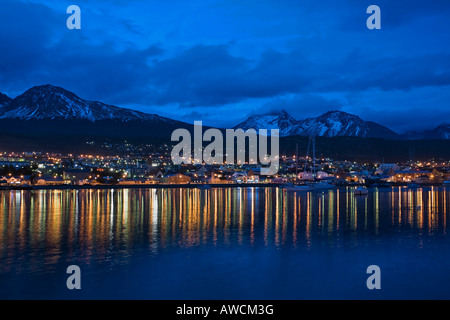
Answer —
(222, 60)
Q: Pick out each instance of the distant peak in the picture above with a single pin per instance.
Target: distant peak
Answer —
(46, 87)
(53, 102)
(278, 113)
(49, 90)
(4, 98)
(337, 112)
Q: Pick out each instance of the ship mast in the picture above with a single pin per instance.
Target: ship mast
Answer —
(314, 157)
(296, 161)
(307, 154)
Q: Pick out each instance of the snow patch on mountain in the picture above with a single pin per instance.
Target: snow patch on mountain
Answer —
(330, 124)
(274, 120)
(51, 102)
(4, 100)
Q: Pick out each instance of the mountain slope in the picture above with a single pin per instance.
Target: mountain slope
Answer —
(330, 124)
(440, 132)
(4, 100)
(272, 120)
(54, 114)
(338, 123)
(51, 102)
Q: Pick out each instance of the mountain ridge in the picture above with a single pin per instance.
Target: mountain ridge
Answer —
(49, 103)
(4, 100)
(330, 124)
(442, 131)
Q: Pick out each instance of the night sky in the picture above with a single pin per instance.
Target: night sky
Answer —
(222, 60)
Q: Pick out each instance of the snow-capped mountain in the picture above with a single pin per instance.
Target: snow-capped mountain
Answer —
(51, 102)
(4, 100)
(330, 124)
(273, 120)
(48, 109)
(338, 123)
(440, 132)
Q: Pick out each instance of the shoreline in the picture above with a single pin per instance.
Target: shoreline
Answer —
(189, 186)
(140, 186)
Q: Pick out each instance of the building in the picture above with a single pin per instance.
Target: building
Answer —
(177, 178)
(78, 177)
(418, 176)
(49, 181)
(131, 181)
(387, 168)
(239, 177)
(15, 180)
(310, 176)
(14, 164)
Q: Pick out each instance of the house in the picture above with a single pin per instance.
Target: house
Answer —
(437, 176)
(140, 170)
(156, 173)
(49, 181)
(78, 177)
(265, 179)
(203, 171)
(202, 179)
(15, 180)
(177, 178)
(217, 177)
(14, 164)
(253, 175)
(422, 179)
(239, 177)
(310, 176)
(130, 181)
(387, 168)
(418, 176)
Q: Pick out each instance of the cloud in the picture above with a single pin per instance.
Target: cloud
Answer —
(99, 72)
(292, 56)
(357, 73)
(209, 75)
(24, 35)
(202, 75)
(42, 50)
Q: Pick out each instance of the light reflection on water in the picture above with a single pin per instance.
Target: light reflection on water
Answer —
(42, 230)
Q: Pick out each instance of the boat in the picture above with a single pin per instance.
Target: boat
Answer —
(296, 188)
(205, 186)
(316, 184)
(361, 191)
(322, 185)
(22, 187)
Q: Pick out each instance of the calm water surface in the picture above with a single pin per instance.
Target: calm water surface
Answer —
(225, 243)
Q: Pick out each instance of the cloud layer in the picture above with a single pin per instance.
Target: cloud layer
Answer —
(189, 60)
